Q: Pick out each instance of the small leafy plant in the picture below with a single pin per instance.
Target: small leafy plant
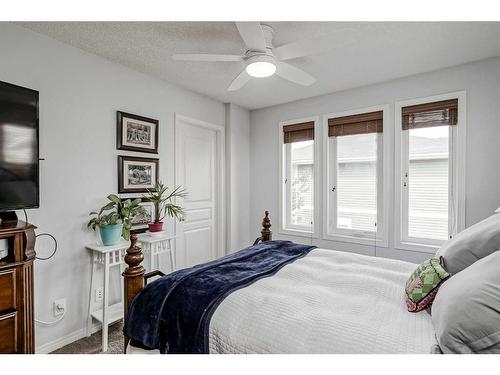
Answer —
(163, 202)
(117, 211)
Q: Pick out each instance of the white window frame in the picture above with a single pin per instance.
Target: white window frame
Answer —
(457, 162)
(282, 227)
(381, 237)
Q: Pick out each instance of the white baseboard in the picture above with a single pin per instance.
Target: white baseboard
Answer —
(65, 340)
(60, 342)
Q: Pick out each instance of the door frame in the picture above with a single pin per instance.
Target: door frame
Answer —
(220, 219)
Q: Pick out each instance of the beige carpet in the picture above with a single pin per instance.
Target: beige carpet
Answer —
(92, 344)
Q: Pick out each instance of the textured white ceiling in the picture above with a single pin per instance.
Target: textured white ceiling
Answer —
(362, 52)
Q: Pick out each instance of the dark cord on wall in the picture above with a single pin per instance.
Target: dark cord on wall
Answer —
(40, 235)
(55, 246)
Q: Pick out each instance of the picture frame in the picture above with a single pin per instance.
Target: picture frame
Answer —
(140, 222)
(137, 174)
(136, 133)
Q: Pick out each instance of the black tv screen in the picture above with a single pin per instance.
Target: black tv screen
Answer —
(18, 147)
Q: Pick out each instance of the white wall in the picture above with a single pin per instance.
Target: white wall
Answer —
(481, 80)
(79, 96)
(238, 177)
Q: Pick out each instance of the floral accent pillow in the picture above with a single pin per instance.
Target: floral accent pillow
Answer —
(423, 284)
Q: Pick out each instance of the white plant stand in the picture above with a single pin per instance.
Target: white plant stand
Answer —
(155, 245)
(113, 256)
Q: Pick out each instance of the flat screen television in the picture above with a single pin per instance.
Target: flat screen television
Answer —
(19, 187)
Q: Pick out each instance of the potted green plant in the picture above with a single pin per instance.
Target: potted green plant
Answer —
(163, 204)
(114, 220)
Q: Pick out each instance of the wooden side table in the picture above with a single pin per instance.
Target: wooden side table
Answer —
(112, 256)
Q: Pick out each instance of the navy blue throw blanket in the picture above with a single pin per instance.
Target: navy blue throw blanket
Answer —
(173, 313)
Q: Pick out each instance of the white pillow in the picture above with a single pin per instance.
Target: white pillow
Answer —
(472, 244)
(466, 310)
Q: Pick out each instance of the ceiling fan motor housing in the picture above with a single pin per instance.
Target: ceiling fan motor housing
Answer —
(268, 33)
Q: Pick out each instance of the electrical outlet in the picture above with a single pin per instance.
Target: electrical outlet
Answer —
(99, 293)
(59, 306)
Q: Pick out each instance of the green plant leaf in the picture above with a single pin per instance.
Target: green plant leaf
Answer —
(114, 198)
(107, 207)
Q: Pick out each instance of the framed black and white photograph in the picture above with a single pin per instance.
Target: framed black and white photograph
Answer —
(136, 133)
(140, 222)
(136, 175)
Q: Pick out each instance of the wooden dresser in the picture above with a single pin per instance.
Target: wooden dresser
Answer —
(17, 333)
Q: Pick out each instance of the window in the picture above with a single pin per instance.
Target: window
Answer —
(298, 176)
(301, 184)
(428, 182)
(356, 187)
(428, 186)
(354, 176)
(378, 186)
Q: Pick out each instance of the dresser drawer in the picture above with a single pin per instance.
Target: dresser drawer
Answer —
(8, 333)
(7, 290)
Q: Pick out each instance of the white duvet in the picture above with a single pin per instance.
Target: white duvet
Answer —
(326, 302)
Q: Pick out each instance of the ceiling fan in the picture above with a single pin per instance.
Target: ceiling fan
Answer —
(262, 58)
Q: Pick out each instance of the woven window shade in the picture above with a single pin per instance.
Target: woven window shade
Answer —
(363, 123)
(298, 132)
(443, 113)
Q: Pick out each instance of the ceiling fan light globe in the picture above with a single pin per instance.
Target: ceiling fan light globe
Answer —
(261, 66)
(261, 69)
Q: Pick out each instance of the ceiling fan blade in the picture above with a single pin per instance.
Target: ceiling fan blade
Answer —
(206, 57)
(311, 46)
(239, 81)
(252, 35)
(294, 74)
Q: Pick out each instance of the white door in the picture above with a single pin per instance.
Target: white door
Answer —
(198, 168)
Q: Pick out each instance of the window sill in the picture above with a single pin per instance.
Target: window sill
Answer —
(418, 247)
(361, 240)
(298, 232)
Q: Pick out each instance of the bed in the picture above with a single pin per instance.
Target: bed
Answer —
(324, 302)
